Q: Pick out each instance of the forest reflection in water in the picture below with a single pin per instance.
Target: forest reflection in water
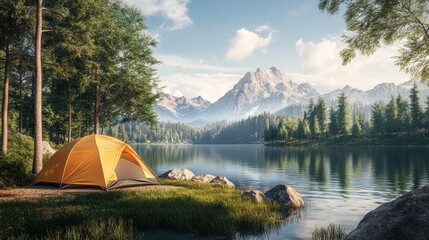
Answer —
(399, 168)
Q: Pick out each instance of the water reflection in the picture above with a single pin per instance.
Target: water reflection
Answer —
(339, 183)
(398, 168)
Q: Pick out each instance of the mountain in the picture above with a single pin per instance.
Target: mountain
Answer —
(270, 91)
(174, 109)
(257, 92)
(383, 92)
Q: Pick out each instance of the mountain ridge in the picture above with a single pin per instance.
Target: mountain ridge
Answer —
(270, 91)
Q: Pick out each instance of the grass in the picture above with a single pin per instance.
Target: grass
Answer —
(331, 232)
(199, 208)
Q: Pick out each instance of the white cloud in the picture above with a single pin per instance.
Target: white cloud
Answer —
(322, 66)
(174, 10)
(262, 28)
(245, 42)
(182, 76)
(210, 86)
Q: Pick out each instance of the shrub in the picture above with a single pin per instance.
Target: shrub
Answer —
(16, 164)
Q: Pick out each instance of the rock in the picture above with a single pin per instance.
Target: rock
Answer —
(223, 180)
(254, 195)
(285, 195)
(178, 174)
(203, 178)
(47, 148)
(407, 217)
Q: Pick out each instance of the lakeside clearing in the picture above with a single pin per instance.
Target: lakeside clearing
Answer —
(199, 208)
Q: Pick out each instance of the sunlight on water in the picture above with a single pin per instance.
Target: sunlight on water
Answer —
(339, 184)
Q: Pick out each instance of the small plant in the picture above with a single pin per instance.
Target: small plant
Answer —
(331, 232)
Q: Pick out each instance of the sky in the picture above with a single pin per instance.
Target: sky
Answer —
(206, 46)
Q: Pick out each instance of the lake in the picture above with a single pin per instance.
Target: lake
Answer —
(339, 184)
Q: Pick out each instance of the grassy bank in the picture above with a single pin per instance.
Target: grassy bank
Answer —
(199, 208)
(411, 139)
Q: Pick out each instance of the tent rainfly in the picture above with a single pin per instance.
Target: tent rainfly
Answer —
(96, 160)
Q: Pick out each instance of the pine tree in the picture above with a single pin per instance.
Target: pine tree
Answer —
(404, 117)
(321, 114)
(378, 118)
(316, 127)
(356, 127)
(343, 114)
(15, 23)
(310, 114)
(333, 129)
(416, 110)
(303, 130)
(391, 116)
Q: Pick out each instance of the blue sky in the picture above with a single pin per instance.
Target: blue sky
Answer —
(207, 45)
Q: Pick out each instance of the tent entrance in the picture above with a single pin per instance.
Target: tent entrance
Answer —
(125, 169)
(129, 174)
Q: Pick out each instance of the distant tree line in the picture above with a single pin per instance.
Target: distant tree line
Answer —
(397, 116)
(250, 130)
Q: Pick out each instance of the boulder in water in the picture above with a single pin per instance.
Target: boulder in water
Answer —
(407, 217)
(285, 195)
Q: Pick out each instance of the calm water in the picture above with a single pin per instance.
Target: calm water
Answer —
(339, 184)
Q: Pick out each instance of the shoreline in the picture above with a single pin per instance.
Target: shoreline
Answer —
(403, 139)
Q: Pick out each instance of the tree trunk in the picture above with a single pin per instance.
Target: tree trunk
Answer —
(5, 109)
(97, 108)
(70, 124)
(21, 100)
(38, 151)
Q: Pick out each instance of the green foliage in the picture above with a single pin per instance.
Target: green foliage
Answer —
(389, 124)
(378, 118)
(332, 232)
(15, 166)
(415, 109)
(321, 113)
(250, 130)
(198, 208)
(391, 116)
(85, 43)
(356, 125)
(303, 130)
(373, 23)
(343, 114)
(404, 117)
(333, 127)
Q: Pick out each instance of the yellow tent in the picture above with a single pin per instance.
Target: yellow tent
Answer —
(96, 160)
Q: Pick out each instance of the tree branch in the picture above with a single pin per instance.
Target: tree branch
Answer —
(54, 12)
(418, 21)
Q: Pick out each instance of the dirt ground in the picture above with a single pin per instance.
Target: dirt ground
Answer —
(36, 192)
